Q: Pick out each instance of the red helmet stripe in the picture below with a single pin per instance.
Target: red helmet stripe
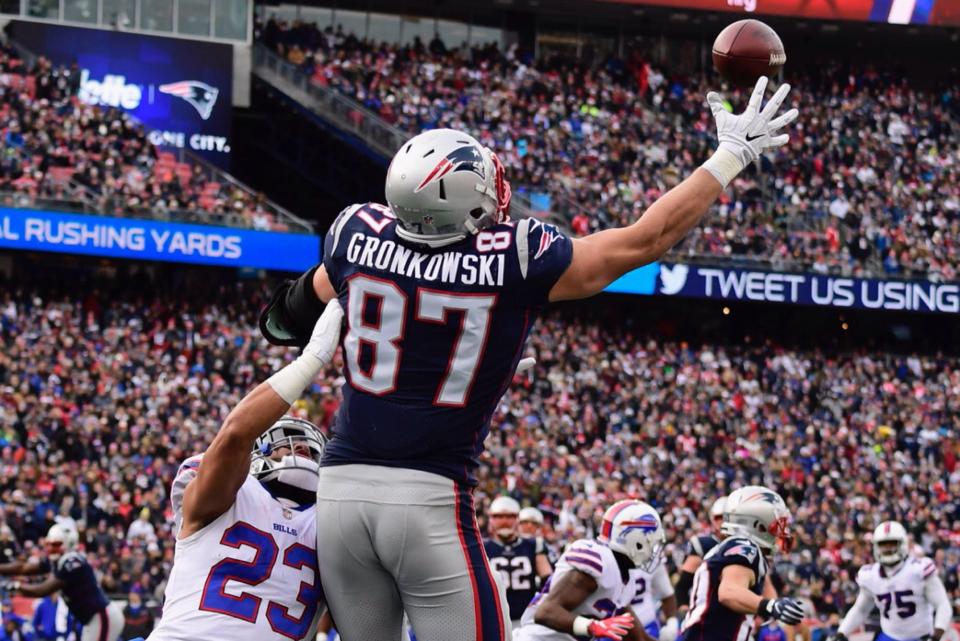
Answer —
(607, 527)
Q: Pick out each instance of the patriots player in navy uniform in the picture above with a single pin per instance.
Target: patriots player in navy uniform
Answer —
(697, 548)
(522, 561)
(70, 572)
(440, 290)
(728, 585)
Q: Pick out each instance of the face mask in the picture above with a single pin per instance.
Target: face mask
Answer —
(299, 472)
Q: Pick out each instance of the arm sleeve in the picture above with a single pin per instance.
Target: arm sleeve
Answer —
(858, 613)
(937, 597)
(544, 253)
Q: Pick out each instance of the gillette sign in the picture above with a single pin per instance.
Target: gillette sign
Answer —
(180, 89)
(697, 281)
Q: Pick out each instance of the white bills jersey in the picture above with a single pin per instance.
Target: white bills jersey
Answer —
(612, 596)
(250, 574)
(905, 611)
(650, 588)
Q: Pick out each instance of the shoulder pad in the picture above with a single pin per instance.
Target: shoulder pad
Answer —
(740, 547)
(584, 555)
(927, 567)
(71, 561)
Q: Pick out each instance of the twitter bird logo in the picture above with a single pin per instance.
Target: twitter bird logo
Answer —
(672, 279)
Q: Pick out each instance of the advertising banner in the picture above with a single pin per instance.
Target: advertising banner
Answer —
(181, 89)
(929, 12)
(698, 281)
(155, 240)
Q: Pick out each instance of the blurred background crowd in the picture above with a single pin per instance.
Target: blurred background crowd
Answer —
(104, 390)
(870, 182)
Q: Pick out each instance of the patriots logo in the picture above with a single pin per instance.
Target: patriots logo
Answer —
(747, 551)
(466, 158)
(199, 94)
(766, 497)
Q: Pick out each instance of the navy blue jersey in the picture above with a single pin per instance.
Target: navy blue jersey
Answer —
(700, 545)
(708, 619)
(81, 592)
(517, 564)
(432, 336)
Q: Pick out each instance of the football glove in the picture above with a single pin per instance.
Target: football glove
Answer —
(787, 610)
(611, 628)
(326, 333)
(745, 136)
(670, 630)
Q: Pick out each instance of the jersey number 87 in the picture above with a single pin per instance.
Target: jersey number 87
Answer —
(384, 335)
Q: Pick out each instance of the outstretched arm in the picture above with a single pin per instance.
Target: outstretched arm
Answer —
(601, 258)
(20, 568)
(226, 463)
(37, 590)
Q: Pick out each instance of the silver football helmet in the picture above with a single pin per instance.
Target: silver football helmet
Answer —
(444, 185)
(293, 474)
(759, 514)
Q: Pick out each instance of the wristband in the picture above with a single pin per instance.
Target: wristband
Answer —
(290, 382)
(723, 165)
(762, 608)
(581, 626)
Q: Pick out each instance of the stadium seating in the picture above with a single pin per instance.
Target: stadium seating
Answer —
(608, 413)
(868, 185)
(60, 152)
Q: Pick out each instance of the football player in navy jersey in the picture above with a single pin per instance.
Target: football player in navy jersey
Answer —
(70, 573)
(521, 561)
(728, 585)
(440, 289)
(697, 548)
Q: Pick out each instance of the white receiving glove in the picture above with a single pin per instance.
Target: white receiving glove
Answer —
(290, 382)
(670, 630)
(326, 333)
(745, 136)
(525, 364)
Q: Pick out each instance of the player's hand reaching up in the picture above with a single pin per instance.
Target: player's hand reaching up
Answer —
(749, 134)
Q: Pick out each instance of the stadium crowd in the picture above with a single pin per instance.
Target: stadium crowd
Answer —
(56, 147)
(870, 182)
(105, 389)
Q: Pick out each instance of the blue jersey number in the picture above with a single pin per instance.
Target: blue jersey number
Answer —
(905, 607)
(254, 572)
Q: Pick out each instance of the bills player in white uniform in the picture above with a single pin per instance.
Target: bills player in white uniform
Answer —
(246, 561)
(654, 594)
(911, 598)
(590, 592)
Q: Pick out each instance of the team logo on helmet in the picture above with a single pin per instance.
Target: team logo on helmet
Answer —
(466, 158)
(646, 523)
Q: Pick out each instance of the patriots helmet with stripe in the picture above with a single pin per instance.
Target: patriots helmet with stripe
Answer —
(633, 528)
(890, 545)
(444, 185)
(286, 459)
(759, 514)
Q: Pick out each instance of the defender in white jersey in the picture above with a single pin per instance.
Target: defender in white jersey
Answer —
(590, 592)
(912, 600)
(654, 594)
(246, 561)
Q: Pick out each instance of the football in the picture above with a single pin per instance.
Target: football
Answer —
(746, 50)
